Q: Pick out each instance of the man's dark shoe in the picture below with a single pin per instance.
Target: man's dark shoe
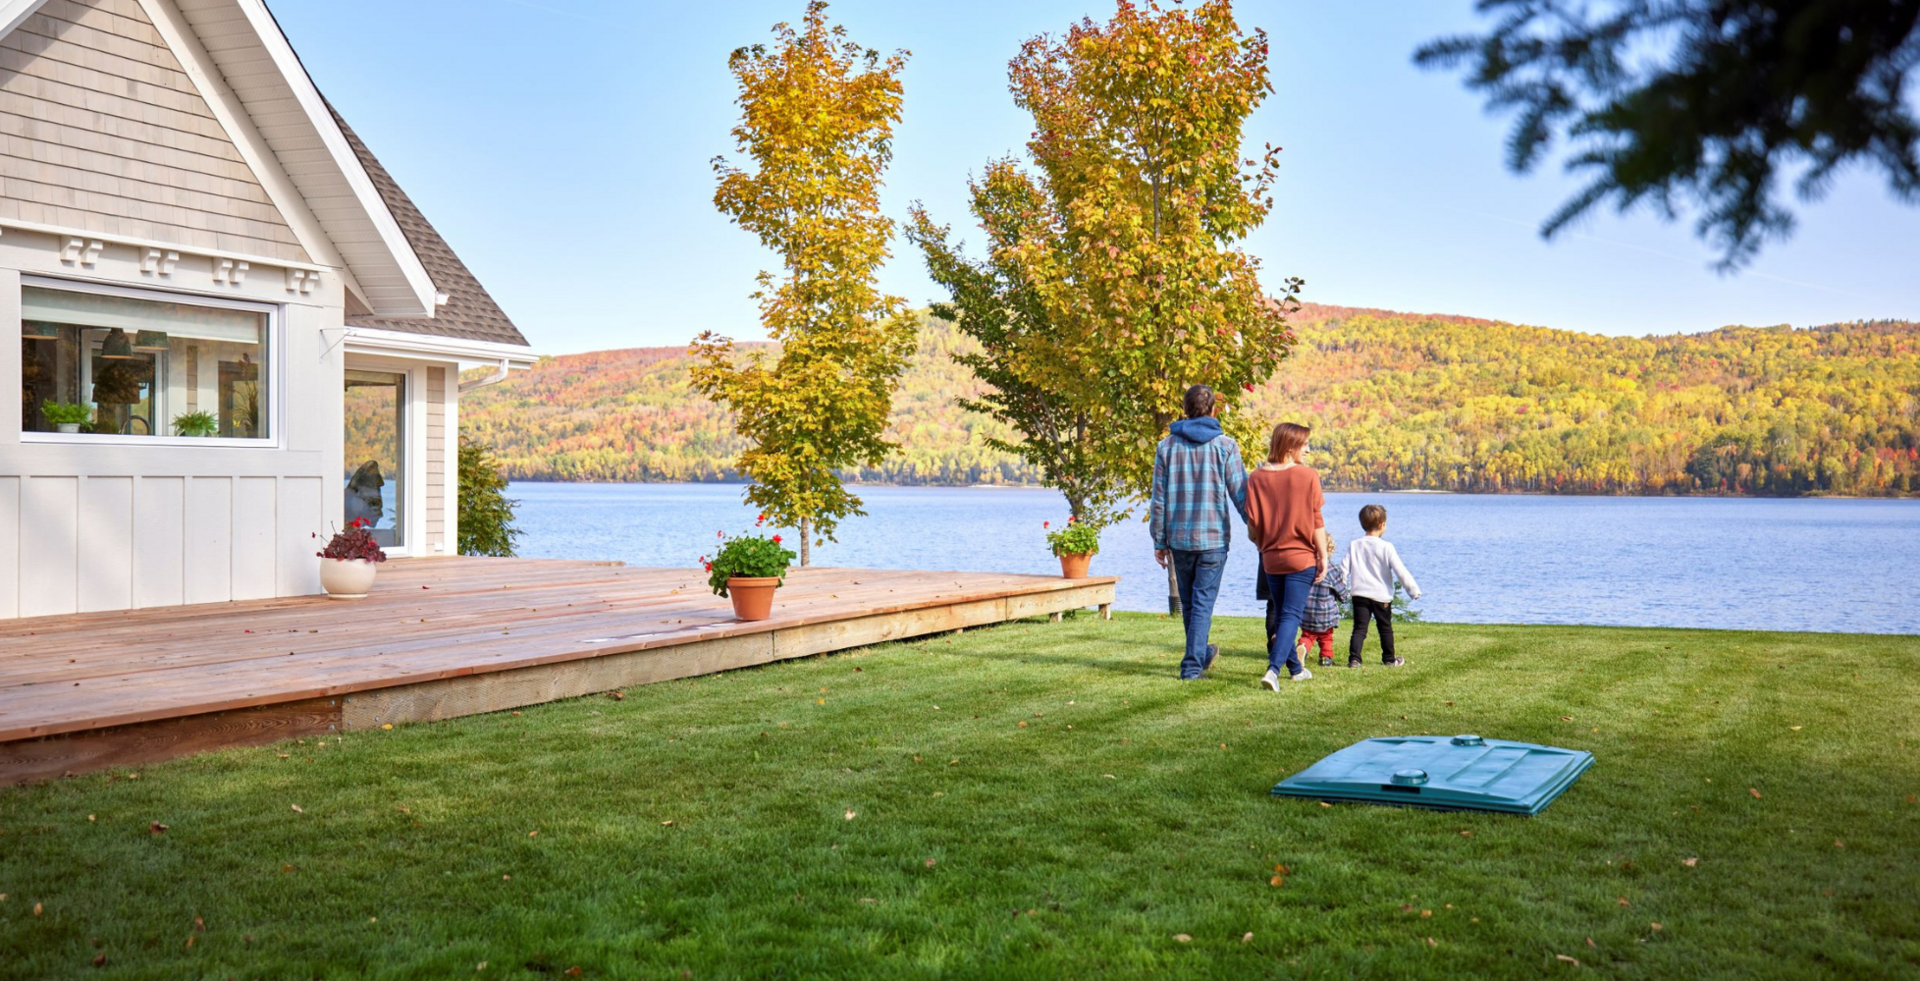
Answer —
(1396, 662)
(1353, 662)
(1213, 652)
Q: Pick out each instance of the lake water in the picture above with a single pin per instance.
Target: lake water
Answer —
(1829, 565)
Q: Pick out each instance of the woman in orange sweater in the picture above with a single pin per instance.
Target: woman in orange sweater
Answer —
(1283, 516)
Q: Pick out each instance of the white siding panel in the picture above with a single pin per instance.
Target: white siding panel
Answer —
(159, 541)
(209, 563)
(254, 555)
(9, 547)
(106, 544)
(300, 518)
(49, 519)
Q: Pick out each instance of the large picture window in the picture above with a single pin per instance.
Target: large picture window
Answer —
(108, 364)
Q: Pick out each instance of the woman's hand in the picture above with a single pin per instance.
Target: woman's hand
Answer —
(1319, 573)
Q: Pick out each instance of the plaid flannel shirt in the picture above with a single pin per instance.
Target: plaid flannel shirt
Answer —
(1193, 483)
(1323, 602)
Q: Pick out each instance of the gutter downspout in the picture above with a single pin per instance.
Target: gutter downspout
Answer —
(499, 375)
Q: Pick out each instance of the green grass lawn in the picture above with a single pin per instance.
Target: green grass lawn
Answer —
(1028, 801)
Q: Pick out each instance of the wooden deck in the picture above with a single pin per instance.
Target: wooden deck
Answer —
(440, 638)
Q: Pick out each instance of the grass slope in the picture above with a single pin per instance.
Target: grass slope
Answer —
(885, 813)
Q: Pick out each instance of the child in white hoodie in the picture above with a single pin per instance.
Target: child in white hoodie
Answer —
(1371, 566)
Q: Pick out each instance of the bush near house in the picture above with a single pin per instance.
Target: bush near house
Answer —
(485, 511)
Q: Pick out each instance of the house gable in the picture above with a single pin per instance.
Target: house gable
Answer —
(103, 130)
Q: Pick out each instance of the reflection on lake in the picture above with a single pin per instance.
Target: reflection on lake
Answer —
(1835, 565)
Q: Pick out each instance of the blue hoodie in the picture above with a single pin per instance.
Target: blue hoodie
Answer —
(1197, 473)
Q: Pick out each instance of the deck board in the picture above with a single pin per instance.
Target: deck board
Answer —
(437, 620)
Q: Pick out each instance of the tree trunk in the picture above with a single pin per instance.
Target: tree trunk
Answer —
(806, 543)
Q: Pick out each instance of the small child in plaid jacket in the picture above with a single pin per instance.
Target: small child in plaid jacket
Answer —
(1323, 608)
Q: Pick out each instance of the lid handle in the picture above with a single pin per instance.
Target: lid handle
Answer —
(1468, 741)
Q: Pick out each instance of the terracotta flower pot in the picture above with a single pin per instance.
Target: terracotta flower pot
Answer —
(347, 578)
(1073, 565)
(752, 596)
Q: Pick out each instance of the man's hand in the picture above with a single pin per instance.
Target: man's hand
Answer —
(1161, 556)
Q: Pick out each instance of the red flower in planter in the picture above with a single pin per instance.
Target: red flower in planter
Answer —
(776, 539)
(356, 542)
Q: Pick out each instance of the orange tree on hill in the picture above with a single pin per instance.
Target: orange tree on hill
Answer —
(817, 118)
(1131, 223)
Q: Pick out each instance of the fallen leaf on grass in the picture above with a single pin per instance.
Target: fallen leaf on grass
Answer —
(1565, 959)
(297, 810)
(930, 863)
(286, 867)
(36, 909)
(618, 696)
(850, 814)
(533, 834)
(1109, 776)
(1022, 724)
(1325, 804)
(1183, 938)
(1590, 943)
(1432, 942)
(157, 828)
(1277, 880)
(1794, 728)
(1466, 834)
(1566, 718)
(666, 824)
(1247, 938)
(1689, 862)
(1426, 914)
(100, 961)
(1623, 901)
(1837, 843)
(867, 900)
(1657, 927)
(1755, 792)
(199, 925)
(573, 972)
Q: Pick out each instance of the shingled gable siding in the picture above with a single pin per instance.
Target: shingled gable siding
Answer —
(101, 130)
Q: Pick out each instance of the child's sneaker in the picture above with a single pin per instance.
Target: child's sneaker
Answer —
(1397, 662)
(1304, 675)
(1325, 661)
(1271, 679)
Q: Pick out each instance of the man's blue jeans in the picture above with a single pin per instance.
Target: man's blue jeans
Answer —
(1289, 591)
(1198, 574)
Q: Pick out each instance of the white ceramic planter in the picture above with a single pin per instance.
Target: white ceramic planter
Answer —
(347, 578)
(66, 427)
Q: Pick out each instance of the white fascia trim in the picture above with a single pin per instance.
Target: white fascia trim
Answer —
(233, 118)
(369, 340)
(281, 51)
(14, 12)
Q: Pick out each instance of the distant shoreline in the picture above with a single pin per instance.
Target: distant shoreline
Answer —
(1410, 491)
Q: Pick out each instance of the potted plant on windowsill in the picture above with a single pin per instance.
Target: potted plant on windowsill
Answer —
(66, 416)
(195, 424)
(348, 563)
(1075, 546)
(746, 570)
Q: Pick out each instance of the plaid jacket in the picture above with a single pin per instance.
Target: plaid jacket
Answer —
(1323, 602)
(1193, 483)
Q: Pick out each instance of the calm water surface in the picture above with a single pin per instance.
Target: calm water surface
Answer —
(1830, 565)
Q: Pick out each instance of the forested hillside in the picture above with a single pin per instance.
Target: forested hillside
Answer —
(1398, 401)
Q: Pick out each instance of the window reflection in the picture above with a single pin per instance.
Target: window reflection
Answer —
(376, 453)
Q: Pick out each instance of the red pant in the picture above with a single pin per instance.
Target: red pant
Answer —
(1324, 639)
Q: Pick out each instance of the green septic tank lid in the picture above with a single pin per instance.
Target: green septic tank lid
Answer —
(1458, 773)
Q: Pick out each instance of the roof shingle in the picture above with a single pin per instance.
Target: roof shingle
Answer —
(469, 312)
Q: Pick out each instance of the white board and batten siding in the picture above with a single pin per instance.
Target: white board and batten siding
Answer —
(97, 526)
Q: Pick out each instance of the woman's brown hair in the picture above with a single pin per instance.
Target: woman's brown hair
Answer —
(1288, 438)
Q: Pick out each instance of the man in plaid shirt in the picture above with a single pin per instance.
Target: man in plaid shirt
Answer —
(1197, 473)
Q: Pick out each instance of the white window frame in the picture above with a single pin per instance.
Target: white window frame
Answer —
(275, 362)
(415, 511)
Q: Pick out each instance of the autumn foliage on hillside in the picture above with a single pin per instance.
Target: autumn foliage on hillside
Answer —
(1397, 401)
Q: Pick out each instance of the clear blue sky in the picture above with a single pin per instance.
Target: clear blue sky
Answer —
(563, 147)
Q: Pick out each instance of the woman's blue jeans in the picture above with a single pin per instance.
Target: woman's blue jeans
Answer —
(1289, 591)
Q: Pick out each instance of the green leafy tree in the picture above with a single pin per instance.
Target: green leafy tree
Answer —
(1140, 198)
(995, 304)
(1708, 101)
(817, 118)
(485, 515)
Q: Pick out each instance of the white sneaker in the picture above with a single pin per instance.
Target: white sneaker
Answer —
(1271, 680)
(1304, 675)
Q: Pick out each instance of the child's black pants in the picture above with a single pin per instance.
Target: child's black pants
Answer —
(1363, 610)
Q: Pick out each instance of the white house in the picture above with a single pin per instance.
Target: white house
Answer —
(258, 333)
